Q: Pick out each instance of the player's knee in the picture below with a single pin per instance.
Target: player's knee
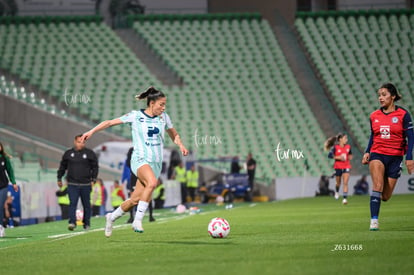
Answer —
(385, 198)
(152, 184)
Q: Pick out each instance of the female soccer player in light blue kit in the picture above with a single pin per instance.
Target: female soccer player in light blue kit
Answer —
(148, 128)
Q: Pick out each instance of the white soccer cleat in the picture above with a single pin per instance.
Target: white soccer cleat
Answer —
(336, 195)
(2, 232)
(374, 226)
(344, 201)
(137, 226)
(108, 225)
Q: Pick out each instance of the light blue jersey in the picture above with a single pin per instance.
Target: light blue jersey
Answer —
(147, 134)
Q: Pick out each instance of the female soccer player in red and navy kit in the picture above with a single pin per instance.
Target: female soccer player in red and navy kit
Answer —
(391, 138)
(341, 152)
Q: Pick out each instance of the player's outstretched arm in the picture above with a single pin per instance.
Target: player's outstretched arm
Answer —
(175, 137)
(101, 126)
(409, 162)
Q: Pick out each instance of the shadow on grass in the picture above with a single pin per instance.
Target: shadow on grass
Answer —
(189, 242)
(398, 229)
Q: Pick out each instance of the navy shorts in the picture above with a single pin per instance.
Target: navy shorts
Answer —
(392, 164)
(339, 172)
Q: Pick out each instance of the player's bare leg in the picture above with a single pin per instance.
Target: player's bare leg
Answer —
(147, 177)
(389, 185)
(377, 171)
(337, 186)
(126, 206)
(345, 178)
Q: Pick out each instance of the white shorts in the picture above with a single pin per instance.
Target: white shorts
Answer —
(137, 162)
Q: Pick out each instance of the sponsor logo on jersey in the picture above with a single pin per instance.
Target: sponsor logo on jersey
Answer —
(385, 131)
(152, 130)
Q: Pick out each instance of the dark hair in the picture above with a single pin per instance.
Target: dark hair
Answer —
(332, 140)
(3, 152)
(392, 90)
(151, 94)
(78, 136)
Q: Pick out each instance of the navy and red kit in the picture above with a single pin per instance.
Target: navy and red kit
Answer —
(338, 150)
(390, 133)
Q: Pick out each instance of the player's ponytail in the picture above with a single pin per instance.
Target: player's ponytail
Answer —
(151, 94)
(332, 140)
(3, 152)
(392, 90)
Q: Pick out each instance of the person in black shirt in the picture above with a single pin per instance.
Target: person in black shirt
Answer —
(251, 169)
(6, 175)
(235, 167)
(361, 187)
(81, 165)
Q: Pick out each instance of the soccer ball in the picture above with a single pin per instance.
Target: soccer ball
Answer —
(218, 228)
(180, 209)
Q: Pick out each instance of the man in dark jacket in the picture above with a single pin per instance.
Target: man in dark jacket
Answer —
(81, 166)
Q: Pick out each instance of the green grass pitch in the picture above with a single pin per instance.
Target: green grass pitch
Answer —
(301, 236)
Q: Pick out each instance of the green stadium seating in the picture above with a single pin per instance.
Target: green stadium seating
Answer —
(237, 84)
(234, 70)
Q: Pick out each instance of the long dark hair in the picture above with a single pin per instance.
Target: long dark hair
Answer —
(151, 94)
(3, 152)
(392, 90)
(332, 140)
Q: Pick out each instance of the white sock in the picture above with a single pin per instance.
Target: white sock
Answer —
(117, 213)
(142, 207)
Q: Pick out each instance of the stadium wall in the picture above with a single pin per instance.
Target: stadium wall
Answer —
(174, 6)
(56, 7)
(371, 4)
(27, 118)
(267, 8)
(38, 200)
(301, 187)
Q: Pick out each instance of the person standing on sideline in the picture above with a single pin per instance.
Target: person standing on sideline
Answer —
(235, 166)
(96, 198)
(81, 166)
(251, 170)
(6, 174)
(192, 182)
(63, 201)
(361, 187)
(179, 176)
(148, 126)
(392, 137)
(131, 179)
(341, 152)
(102, 210)
(117, 195)
(159, 195)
